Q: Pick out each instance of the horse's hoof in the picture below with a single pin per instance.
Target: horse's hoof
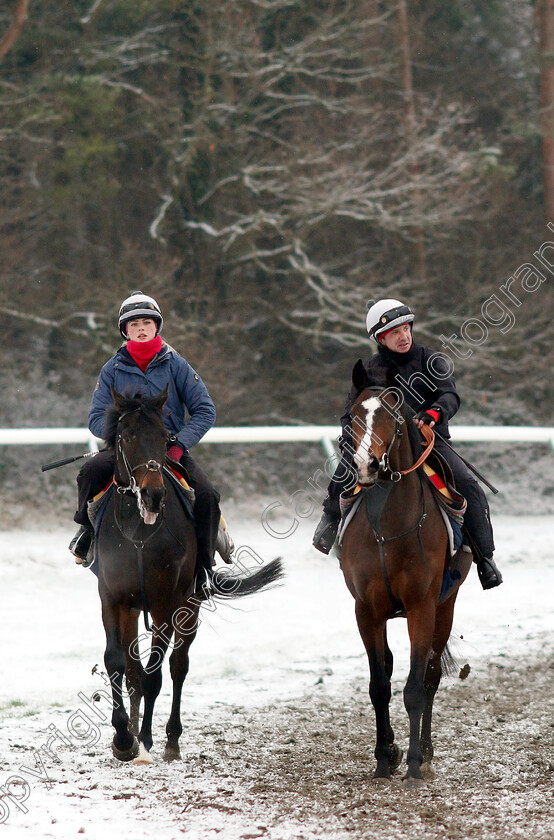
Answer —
(143, 756)
(172, 753)
(396, 757)
(126, 755)
(382, 781)
(428, 771)
(413, 783)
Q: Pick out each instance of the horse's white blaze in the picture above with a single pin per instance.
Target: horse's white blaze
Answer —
(143, 756)
(361, 457)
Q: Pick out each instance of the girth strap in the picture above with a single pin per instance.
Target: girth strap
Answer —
(140, 565)
(373, 509)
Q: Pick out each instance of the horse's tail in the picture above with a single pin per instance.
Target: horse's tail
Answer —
(449, 664)
(228, 585)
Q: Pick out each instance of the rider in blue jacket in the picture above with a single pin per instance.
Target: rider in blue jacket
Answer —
(146, 365)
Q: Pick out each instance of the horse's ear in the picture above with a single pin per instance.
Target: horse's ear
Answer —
(360, 379)
(392, 372)
(117, 398)
(161, 398)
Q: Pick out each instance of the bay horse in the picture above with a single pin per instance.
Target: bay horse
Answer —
(146, 560)
(393, 566)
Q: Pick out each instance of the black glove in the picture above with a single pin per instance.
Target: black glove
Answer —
(432, 415)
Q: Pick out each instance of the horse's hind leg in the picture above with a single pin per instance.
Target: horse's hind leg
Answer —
(433, 674)
(421, 622)
(186, 625)
(152, 683)
(387, 753)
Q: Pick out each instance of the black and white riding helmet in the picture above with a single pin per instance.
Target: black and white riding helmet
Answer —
(386, 315)
(139, 305)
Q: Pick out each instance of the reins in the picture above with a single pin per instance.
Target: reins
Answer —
(135, 488)
(429, 436)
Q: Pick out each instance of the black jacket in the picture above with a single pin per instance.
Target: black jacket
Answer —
(422, 375)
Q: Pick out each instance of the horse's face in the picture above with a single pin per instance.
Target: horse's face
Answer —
(373, 432)
(140, 454)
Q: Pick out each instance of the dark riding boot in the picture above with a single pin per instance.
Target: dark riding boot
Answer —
(488, 572)
(81, 543)
(203, 584)
(326, 532)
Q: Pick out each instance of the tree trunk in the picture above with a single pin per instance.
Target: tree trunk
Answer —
(410, 122)
(545, 20)
(19, 18)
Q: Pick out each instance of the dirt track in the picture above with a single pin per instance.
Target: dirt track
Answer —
(307, 768)
(278, 730)
(303, 769)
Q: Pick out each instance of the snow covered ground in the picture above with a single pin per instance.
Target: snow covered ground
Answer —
(272, 648)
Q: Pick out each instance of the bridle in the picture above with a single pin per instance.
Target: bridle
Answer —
(150, 466)
(136, 489)
(384, 464)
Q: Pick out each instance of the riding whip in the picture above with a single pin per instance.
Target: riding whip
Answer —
(64, 461)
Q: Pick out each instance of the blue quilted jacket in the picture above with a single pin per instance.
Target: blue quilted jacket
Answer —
(187, 393)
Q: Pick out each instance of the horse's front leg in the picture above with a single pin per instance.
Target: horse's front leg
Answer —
(151, 685)
(124, 745)
(134, 671)
(186, 626)
(421, 622)
(379, 655)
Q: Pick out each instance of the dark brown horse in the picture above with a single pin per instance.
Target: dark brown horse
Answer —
(146, 560)
(394, 556)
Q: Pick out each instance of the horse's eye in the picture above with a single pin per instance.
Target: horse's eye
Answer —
(128, 437)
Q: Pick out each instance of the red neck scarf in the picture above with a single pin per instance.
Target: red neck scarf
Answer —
(142, 352)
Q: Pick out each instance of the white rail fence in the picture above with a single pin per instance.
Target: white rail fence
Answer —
(325, 435)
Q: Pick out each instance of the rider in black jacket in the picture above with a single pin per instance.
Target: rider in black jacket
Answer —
(427, 386)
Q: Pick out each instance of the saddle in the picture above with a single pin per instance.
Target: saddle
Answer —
(451, 503)
(178, 476)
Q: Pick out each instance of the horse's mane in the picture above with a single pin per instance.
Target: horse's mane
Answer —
(414, 435)
(149, 406)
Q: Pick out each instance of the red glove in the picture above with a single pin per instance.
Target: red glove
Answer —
(174, 452)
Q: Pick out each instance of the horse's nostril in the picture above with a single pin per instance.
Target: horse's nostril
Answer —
(153, 497)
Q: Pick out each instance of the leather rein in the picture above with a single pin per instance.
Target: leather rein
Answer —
(384, 464)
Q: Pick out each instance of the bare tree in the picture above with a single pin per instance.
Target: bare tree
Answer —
(545, 22)
(410, 119)
(18, 20)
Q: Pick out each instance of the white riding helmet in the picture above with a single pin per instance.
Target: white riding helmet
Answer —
(139, 305)
(386, 315)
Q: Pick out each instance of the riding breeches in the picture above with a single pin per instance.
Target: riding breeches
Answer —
(477, 519)
(97, 472)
